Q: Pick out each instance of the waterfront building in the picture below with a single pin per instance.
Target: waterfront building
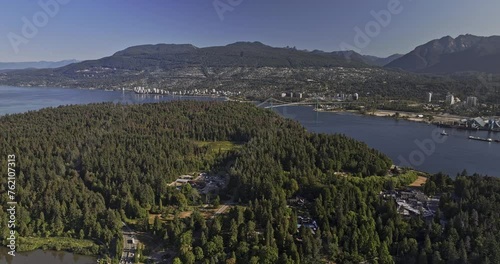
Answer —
(476, 123)
(494, 124)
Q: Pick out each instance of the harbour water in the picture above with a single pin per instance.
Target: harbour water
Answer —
(408, 143)
(22, 99)
(405, 142)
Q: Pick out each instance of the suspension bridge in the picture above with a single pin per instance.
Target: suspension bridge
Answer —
(316, 101)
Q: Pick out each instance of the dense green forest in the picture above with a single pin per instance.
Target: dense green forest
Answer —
(82, 170)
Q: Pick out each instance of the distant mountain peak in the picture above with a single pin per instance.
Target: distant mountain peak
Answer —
(248, 43)
(448, 55)
(35, 64)
(156, 49)
(380, 61)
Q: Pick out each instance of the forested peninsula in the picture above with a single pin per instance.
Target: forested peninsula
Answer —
(84, 170)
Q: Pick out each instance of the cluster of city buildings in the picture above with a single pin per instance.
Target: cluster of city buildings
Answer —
(412, 202)
(338, 97)
(193, 92)
(471, 101)
(349, 97)
(292, 95)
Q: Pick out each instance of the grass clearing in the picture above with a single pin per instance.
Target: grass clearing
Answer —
(216, 146)
(419, 182)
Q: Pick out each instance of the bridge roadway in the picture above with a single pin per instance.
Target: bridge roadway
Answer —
(315, 101)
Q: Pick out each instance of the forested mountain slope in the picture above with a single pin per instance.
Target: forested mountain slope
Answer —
(451, 55)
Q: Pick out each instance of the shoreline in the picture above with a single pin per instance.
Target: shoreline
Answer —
(227, 98)
(439, 120)
(409, 116)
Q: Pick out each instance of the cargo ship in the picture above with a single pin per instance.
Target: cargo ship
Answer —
(481, 139)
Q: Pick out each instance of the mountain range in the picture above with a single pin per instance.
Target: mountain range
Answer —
(35, 64)
(259, 70)
(466, 53)
(367, 59)
(249, 68)
(167, 56)
(239, 54)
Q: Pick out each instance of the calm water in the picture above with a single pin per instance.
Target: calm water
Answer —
(408, 143)
(44, 257)
(22, 99)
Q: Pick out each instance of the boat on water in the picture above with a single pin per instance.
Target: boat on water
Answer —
(481, 139)
(444, 133)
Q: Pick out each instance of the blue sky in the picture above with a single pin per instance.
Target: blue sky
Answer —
(89, 29)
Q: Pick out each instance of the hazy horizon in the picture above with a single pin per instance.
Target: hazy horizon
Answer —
(82, 30)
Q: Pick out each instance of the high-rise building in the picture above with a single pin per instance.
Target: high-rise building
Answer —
(429, 97)
(450, 99)
(472, 101)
